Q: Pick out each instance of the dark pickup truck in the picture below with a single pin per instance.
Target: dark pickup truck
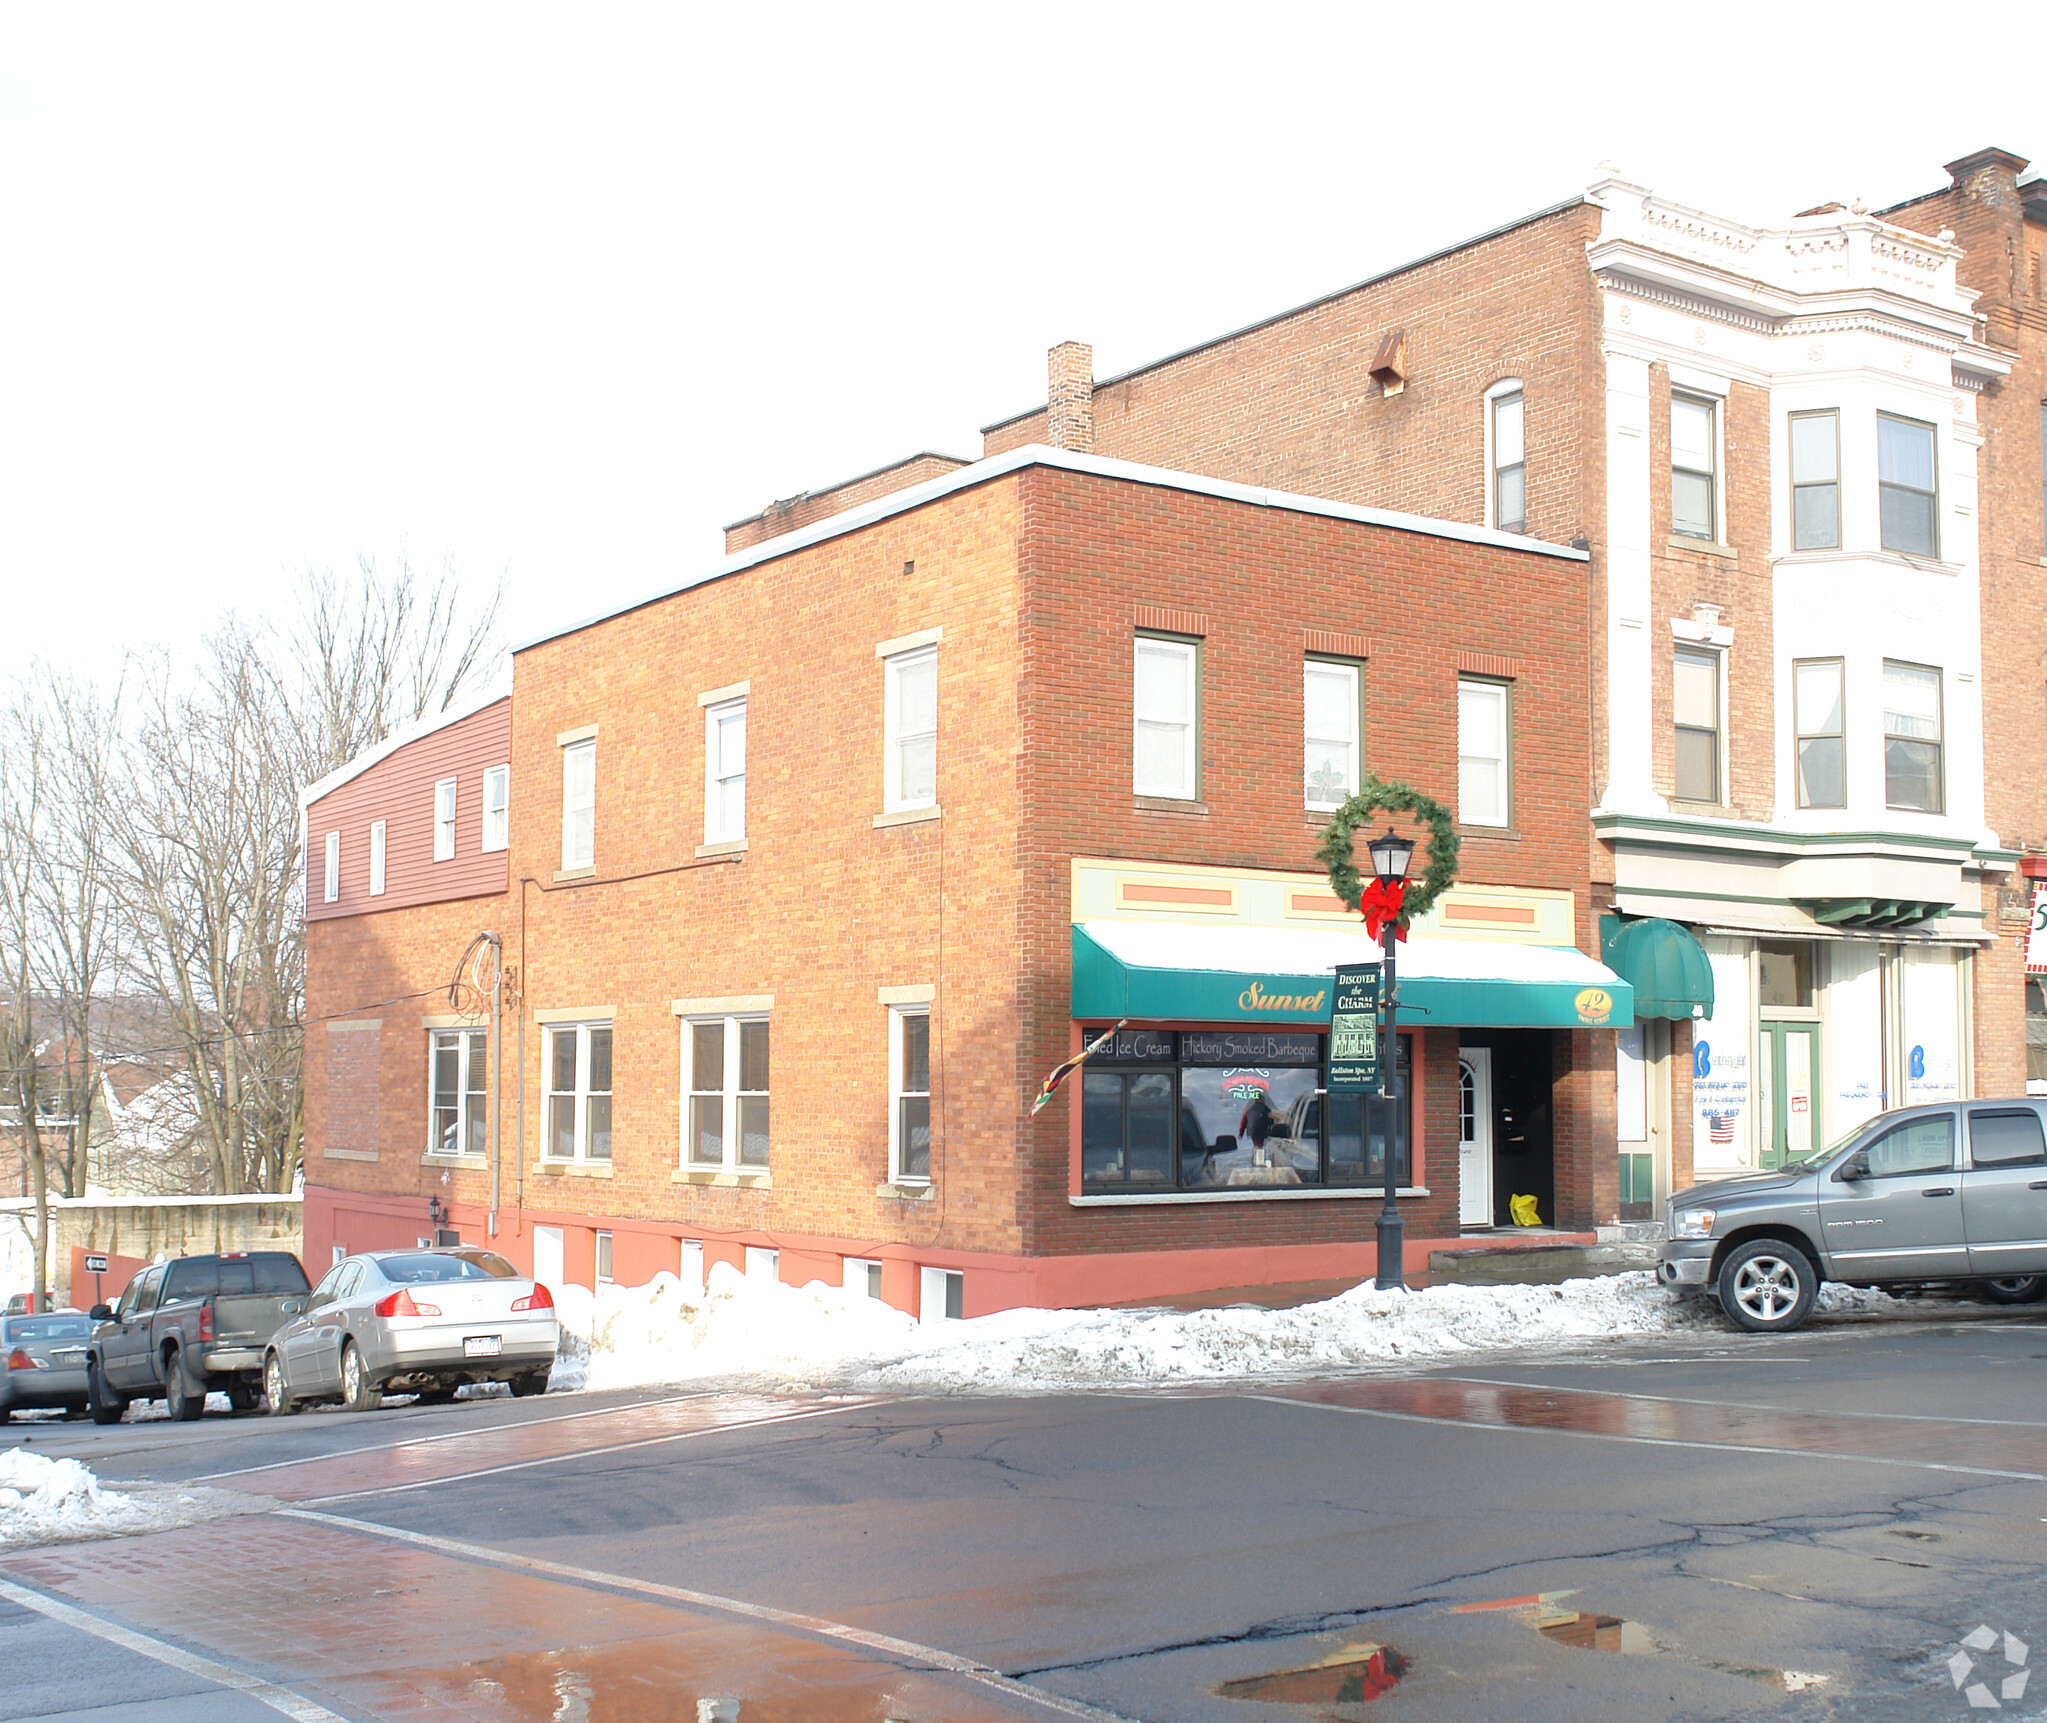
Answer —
(191, 1327)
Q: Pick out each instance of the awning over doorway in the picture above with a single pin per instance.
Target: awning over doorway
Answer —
(1664, 964)
(1167, 972)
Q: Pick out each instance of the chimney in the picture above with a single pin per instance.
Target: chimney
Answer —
(1990, 176)
(1070, 396)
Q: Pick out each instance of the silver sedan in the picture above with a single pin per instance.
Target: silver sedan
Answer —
(412, 1321)
(44, 1359)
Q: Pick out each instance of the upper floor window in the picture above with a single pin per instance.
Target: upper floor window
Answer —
(909, 1084)
(444, 820)
(497, 807)
(377, 858)
(1695, 710)
(1331, 724)
(1912, 738)
(459, 1066)
(1168, 718)
(725, 772)
(333, 882)
(1694, 467)
(2043, 476)
(579, 1092)
(1815, 481)
(910, 730)
(728, 1091)
(579, 804)
(1510, 471)
(1907, 496)
(1483, 779)
(1821, 733)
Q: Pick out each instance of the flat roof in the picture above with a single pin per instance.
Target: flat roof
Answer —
(1040, 455)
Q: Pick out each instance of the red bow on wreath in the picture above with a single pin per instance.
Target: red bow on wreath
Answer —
(1379, 903)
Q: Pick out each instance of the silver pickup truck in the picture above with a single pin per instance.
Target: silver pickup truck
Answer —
(1914, 1196)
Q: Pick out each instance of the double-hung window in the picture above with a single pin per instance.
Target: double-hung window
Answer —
(728, 1091)
(459, 1061)
(377, 841)
(1816, 481)
(579, 803)
(1167, 690)
(1510, 471)
(1332, 723)
(725, 772)
(1484, 778)
(909, 1064)
(1695, 711)
(1694, 467)
(910, 731)
(497, 807)
(444, 820)
(579, 1092)
(1907, 495)
(1912, 738)
(332, 893)
(1821, 733)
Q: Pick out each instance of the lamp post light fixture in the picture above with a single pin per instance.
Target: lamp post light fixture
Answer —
(1390, 856)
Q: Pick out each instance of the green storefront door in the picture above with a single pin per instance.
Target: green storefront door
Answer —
(1790, 1102)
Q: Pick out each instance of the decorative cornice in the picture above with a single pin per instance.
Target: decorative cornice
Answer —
(1693, 305)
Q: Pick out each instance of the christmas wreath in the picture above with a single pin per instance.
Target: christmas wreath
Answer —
(1364, 893)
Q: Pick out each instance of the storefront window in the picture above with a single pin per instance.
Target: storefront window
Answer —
(1213, 1110)
(1786, 977)
(2036, 1030)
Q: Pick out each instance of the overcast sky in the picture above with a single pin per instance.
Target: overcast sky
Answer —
(559, 292)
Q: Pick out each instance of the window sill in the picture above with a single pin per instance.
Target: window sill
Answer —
(1167, 805)
(1495, 834)
(728, 847)
(733, 1178)
(905, 1192)
(572, 1169)
(430, 1159)
(1890, 558)
(908, 817)
(1247, 1194)
(575, 873)
(1703, 810)
(1704, 546)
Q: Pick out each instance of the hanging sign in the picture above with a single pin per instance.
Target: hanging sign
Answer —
(1354, 1031)
(2036, 932)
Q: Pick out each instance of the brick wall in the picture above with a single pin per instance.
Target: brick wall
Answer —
(794, 513)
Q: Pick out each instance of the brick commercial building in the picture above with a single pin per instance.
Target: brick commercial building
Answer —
(1808, 460)
(808, 871)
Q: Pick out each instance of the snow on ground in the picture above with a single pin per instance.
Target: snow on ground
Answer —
(818, 1336)
(47, 1501)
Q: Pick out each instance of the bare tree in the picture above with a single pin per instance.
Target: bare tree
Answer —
(23, 785)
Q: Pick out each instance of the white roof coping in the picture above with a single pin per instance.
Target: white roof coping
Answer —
(498, 687)
(24, 1205)
(1040, 455)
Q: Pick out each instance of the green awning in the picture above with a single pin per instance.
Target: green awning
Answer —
(1176, 972)
(1664, 963)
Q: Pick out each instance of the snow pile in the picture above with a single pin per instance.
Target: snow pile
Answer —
(818, 1335)
(47, 1501)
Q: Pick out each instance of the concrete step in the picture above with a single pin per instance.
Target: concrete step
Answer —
(1535, 1265)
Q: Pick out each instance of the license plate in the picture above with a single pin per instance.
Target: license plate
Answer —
(482, 1345)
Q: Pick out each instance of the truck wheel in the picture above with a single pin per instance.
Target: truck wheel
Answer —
(534, 1382)
(2015, 1288)
(358, 1392)
(105, 1408)
(1768, 1286)
(178, 1398)
(282, 1405)
(241, 1396)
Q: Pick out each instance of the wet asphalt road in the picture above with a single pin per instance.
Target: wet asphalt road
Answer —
(1841, 1504)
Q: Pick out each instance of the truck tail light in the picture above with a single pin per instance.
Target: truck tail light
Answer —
(402, 1303)
(538, 1299)
(20, 1360)
(205, 1323)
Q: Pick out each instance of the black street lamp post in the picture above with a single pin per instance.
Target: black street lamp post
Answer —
(1390, 856)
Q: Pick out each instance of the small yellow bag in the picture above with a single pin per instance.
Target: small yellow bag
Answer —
(1522, 1211)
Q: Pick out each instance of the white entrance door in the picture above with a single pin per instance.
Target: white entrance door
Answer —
(1475, 1136)
(547, 1257)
